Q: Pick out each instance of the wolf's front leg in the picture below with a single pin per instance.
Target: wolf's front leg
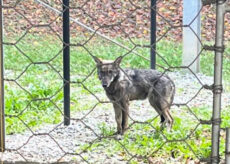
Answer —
(118, 117)
(125, 115)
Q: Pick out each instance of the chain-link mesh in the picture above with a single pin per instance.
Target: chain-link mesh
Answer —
(33, 46)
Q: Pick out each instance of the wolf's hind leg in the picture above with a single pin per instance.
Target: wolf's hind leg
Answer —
(153, 103)
(161, 104)
(167, 115)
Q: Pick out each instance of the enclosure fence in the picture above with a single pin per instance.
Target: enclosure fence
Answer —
(96, 27)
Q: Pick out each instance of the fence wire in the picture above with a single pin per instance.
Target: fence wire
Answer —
(37, 75)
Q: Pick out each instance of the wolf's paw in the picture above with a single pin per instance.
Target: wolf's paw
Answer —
(166, 126)
(163, 125)
(118, 137)
(169, 127)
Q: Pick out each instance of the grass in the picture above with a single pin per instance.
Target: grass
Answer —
(35, 97)
(148, 141)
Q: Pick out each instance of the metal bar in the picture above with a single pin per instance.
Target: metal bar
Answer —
(66, 61)
(217, 90)
(2, 114)
(227, 147)
(153, 35)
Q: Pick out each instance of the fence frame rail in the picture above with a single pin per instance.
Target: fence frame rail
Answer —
(217, 87)
(2, 113)
(227, 146)
(218, 48)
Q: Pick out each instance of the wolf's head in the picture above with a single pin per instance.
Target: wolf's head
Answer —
(107, 70)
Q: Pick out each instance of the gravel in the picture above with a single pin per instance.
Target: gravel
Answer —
(52, 143)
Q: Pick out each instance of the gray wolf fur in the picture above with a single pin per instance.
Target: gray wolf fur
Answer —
(124, 85)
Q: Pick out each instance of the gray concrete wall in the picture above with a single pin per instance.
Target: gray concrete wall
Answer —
(191, 34)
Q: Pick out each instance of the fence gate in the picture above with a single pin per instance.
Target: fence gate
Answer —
(48, 48)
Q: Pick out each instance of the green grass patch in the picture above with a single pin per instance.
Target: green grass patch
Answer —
(187, 140)
(148, 141)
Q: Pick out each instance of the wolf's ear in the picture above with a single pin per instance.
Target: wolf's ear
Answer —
(97, 60)
(118, 61)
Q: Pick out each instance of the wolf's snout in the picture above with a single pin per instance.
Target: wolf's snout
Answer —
(104, 85)
(105, 82)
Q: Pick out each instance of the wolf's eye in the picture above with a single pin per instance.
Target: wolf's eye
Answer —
(110, 71)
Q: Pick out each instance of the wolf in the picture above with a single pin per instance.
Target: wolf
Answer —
(124, 85)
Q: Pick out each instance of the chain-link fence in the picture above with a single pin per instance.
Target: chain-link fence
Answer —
(38, 80)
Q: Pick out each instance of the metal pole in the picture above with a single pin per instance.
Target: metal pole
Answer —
(217, 90)
(66, 61)
(227, 147)
(2, 115)
(153, 35)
